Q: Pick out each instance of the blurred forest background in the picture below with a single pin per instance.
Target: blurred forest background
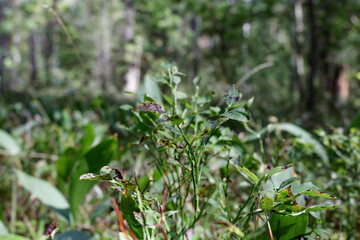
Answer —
(299, 58)
(65, 64)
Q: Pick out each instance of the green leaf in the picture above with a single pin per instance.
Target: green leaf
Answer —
(150, 88)
(315, 193)
(65, 164)
(266, 203)
(288, 227)
(9, 143)
(288, 181)
(251, 175)
(303, 188)
(325, 206)
(93, 161)
(232, 96)
(127, 208)
(322, 233)
(278, 170)
(239, 114)
(73, 235)
(45, 192)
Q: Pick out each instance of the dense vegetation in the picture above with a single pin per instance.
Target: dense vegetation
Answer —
(252, 134)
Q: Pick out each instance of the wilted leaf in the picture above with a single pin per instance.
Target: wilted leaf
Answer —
(51, 230)
(229, 226)
(92, 176)
(206, 190)
(151, 107)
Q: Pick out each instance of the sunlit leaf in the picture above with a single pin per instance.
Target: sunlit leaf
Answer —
(251, 175)
(315, 193)
(9, 143)
(325, 206)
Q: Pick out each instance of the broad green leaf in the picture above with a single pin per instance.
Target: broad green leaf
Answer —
(87, 138)
(322, 233)
(127, 208)
(65, 164)
(150, 88)
(93, 161)
(9, 143)
(171, 128)
(73, 235)
(303, 188)
(239, 114)
(315, 215)
(251, 175)
(315, 193)
(288, 227)
(325, 206)
(288, 181)
(45, 192)
(232, 96)
(266, 203)
(355, 123)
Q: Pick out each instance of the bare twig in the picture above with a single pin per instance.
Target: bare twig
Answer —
(164, 193)
(120, 219)
(31, 155)
(253, 71)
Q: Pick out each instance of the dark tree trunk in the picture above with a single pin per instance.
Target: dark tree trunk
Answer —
(33, 59)
(312, 57)
(195, 53)
(298, 71)
(51, 46)
(4, 50)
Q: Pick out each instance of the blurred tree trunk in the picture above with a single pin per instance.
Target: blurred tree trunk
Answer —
(195, 51)
(15, 43)
(4, 50)
(297, 51)
(51, 50)
(105, 45)
(312, 56)
(132, 73)
(33, 59)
